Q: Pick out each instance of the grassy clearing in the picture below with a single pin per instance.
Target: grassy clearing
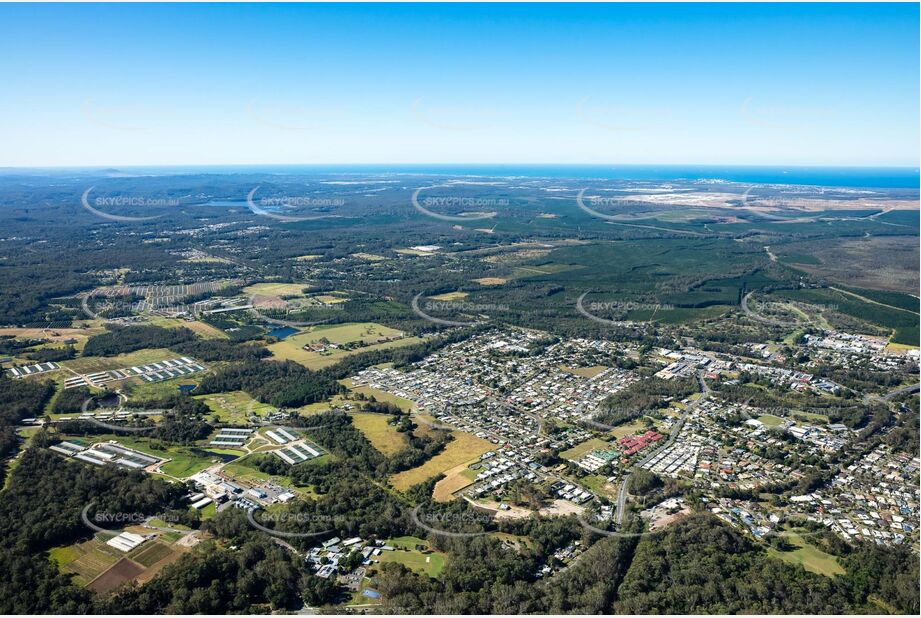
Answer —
(379, 395)
(809, 557)
(491, 281)
(449, 296)
(85, 561)
(628, 429)
(463, 448)
(585, 372)
(234, 406)
(428, 562)
(579, 450)
(770, 420)
(380, 433)
(455, 479)
(91, 364)
(372, 336)
(276, 289)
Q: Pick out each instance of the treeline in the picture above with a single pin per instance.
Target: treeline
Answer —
(19, 399)
(644, 396)
(124, 339)
(221, 350)
(282, 384)
(41, 509)
(245, 572)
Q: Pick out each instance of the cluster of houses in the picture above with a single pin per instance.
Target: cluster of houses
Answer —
(498, 470)
(849, 351)
(875, 499)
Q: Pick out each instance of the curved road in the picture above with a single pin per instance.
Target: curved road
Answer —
(672, 436)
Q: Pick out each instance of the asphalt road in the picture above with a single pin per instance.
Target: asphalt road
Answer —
(672, 436)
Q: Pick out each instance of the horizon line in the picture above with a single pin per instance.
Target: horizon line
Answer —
(915, 168)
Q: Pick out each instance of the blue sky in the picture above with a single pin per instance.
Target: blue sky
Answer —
(812, 84)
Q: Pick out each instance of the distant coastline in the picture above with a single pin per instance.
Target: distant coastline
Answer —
(880, 177)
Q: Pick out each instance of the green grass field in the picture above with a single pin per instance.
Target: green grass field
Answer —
(234, 407)
(379, 395)
(770, 420)
(430, 563)
(463, 448)
(809, 557)
(579, 450)
(371, 334)
(380, 433)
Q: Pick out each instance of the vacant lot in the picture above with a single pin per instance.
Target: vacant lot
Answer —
(463, 448)
(579, 450)
(809, 556)
(373, 336)
(585, 372)
(235, 406)
(455, 479)
(276, 289)
(380, 433)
